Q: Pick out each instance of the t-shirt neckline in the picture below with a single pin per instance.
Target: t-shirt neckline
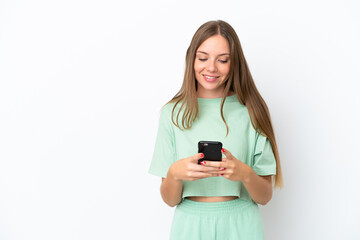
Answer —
(232, 98)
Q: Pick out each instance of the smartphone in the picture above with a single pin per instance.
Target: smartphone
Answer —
(211, 150)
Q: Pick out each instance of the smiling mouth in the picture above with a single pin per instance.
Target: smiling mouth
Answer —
(210, 78)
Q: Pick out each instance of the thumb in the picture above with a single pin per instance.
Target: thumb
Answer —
(227, 153)
(197, 156)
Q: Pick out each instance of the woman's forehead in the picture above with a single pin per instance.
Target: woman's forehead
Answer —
(217, 45)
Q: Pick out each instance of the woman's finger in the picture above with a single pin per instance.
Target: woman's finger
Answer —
(200, 175)
(195, 158)
(202, 168)
(216, 164)
(227, 153)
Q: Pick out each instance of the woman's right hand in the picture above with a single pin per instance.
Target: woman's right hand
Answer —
(188, 169)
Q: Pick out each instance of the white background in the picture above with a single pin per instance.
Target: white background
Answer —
(82, 83)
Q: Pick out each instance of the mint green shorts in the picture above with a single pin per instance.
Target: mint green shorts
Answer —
(235, 219)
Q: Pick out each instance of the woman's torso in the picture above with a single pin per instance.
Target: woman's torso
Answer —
(210, 126)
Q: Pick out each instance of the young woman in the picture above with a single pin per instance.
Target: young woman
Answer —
(218, 101)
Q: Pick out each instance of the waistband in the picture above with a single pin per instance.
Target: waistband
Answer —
(226, 207)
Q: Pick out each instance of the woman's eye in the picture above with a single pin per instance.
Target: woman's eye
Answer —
(202, 59)
(223, 61)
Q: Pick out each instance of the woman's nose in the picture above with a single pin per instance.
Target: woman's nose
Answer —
(211, 66)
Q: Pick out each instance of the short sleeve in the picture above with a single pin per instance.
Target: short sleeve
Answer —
(164, 150)
(264, 162)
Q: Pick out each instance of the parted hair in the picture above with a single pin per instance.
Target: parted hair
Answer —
(239, 81)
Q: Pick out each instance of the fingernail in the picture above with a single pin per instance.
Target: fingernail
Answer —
(222, 150)
(202, 162)
(222, 174)
(201, 155)
(222, 168)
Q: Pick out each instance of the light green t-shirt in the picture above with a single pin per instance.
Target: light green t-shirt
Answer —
(242, 141)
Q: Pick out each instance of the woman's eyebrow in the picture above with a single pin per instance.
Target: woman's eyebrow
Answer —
(208, 54)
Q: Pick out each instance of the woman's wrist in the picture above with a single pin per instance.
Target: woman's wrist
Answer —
(247, 174)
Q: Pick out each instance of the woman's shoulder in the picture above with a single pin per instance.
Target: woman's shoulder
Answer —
(166, 110)
(167, 107)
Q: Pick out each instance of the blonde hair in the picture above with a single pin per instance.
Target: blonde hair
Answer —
(239, 81)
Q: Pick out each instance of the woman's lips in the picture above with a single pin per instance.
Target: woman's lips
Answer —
(210, 78)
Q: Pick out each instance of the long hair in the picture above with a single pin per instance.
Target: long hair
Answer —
(239, 81)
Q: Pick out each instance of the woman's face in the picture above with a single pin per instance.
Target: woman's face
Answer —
(212, 66)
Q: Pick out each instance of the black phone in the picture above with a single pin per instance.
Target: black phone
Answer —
(211, 150)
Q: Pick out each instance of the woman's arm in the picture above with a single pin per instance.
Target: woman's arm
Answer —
(259, 187)
(171, 190)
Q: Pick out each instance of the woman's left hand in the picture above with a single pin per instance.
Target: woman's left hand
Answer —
(230, 167)
(259, 187)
